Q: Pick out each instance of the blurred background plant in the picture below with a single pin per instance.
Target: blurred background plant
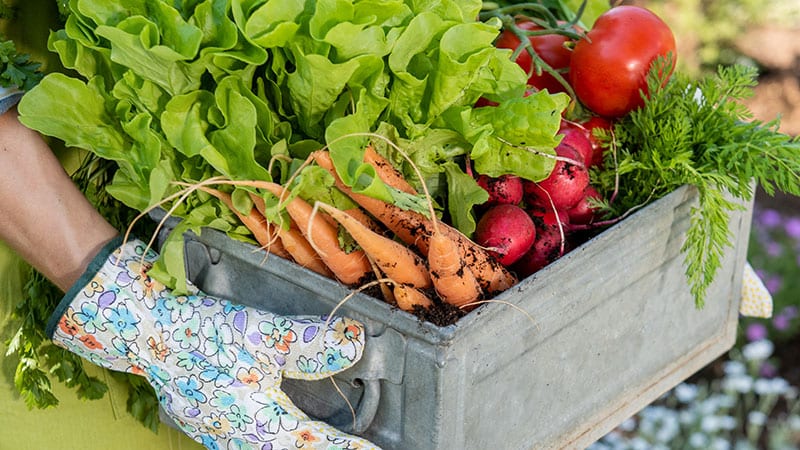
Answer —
(775, 254)
(748, 398)
(713, 32)
(745, 408)
(761, 33)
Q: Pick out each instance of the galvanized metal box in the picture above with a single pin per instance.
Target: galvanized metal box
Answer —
(614, 327)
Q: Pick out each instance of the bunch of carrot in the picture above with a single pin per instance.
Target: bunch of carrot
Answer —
(417, 259)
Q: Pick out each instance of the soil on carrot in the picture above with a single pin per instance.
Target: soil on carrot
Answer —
(440, 314)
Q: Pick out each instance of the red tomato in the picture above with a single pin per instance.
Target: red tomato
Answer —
(550, 47)
(609, 66)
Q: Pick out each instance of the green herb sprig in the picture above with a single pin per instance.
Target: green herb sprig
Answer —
(701, 134)
(39, 358)
(17, 69)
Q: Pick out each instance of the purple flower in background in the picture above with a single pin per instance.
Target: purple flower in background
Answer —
(773, 249)
(783, 320)
(769, 218)
(773, 284)
(768, 370)
(756, 332)
(792, 228)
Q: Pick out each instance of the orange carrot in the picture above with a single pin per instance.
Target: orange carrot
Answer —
(454, 281)
(262, 231)
(407, 297)
(295, 244)
(303, 253)
(415, 229)
(386, 171)
(394, 259)
(365, 219)
(349, 268)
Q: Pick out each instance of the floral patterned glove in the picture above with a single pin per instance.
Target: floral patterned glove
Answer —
(216, 366)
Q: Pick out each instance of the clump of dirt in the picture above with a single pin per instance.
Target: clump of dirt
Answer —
(440, 314)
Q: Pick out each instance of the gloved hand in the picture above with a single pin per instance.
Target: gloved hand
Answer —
(216, 366)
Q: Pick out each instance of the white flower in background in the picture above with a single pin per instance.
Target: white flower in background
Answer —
(794, 423)
(714, 403)
(708, 406)
(725, 400)
(757, 418)
(670, 428)
(628, 425)
(711, 424)
(655, 413)
(639, 443)
(791, 393)
(758, 350)
(686, 393)
(720, 444)
(647, 426)
(727, 422)
(687, 417)
(739, 383)
(699, 440)
(734, 368)
(771, 386)
(762, 386)
(651, 418)
(614, 437)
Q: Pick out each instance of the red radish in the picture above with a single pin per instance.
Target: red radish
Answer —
(597, 148)
(584, 211)
(544, 251)
(593, 154)
(548, 245)
(578, 140)
(507, 231)
(503, 190)
(564, 186)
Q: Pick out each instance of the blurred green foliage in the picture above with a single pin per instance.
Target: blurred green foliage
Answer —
(707, 30)
(774, 253)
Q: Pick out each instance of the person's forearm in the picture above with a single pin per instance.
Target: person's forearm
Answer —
(44, 217)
